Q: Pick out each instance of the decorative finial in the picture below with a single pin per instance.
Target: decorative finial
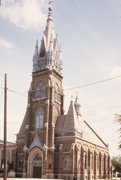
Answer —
(36, 43)
(72, 98)
(77, 105)
(50, 5)
(76, 100)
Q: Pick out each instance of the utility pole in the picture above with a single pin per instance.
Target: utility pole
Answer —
(5, 127)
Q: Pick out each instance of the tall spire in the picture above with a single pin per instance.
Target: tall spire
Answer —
(50, 51)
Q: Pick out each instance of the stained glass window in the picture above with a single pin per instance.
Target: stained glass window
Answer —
(40, 90)
(39, 118)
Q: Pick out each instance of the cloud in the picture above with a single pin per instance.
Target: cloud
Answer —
(24, 13)
(116, 71)
(6, 44)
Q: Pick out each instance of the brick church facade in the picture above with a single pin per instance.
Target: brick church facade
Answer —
(51, 144)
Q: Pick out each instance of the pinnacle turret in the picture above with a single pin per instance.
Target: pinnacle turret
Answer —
(77, 106)
(35, 57)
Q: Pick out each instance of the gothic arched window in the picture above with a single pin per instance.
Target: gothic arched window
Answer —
(39, 118)
(40, 90)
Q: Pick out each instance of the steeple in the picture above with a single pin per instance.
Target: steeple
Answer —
(49, 55)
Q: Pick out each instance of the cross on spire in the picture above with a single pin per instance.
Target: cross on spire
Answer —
(50, 5)
(50, 2)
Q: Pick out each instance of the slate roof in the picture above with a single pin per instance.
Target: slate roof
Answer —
(36, 143)
(70, 122)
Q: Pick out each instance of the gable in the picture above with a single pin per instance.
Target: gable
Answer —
(91, 136)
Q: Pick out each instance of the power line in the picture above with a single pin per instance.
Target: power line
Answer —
(16, 92)
(77, 87)
(97, 82)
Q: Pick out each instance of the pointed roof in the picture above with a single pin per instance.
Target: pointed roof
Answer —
(36, 51)
(36, 143)
(71, 121)
(49, 32)
(50, 52)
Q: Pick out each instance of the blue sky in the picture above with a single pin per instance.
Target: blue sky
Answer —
(90, 36)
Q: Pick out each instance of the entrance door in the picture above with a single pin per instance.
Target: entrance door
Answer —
(37, 172)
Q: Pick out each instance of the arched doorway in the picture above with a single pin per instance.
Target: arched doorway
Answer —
(37, 166)
(35, 163)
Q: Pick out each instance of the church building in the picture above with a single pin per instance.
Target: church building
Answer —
(51, 144)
